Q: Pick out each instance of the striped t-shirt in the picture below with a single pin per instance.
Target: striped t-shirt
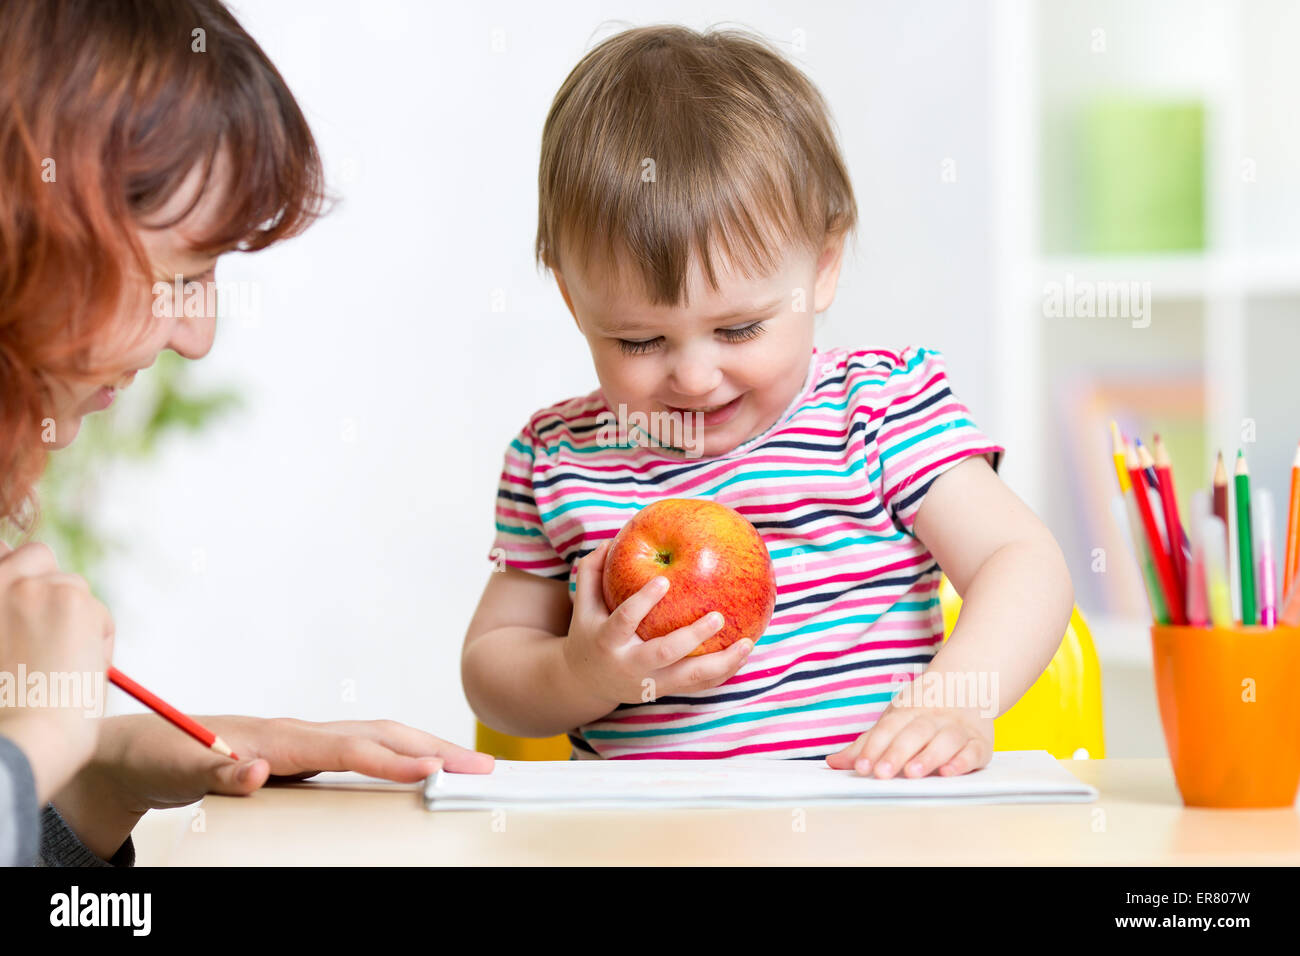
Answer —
(833, 486)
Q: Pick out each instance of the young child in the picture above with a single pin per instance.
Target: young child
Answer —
(693, 210)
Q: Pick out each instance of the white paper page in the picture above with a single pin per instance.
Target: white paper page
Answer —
(1025, 776)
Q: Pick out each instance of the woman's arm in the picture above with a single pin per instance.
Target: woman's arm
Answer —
(512, 665)
(19, 826)
(144, 763)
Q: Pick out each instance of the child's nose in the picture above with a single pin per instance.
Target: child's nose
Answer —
(696, 376)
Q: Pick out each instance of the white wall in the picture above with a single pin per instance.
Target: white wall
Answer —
(271, 558)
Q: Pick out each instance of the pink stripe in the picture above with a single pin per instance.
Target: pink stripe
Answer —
(742, 751)
(822, 690)
(964, 452)
(907, 425)
(759, 673)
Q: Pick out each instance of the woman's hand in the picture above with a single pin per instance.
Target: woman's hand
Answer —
(145, 763)
(920, 740)
(53, 627)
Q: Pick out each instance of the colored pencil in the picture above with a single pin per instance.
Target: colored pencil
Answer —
(1218, 592)
(1173, 524)
(1117, 453)
(1164, 568)
(1291, 563)
(1221, 492)
(1148, 466)
(166, 710)
(1291, 613)
(1124, 511)
(1245, 553)
(1198, 605)
(1261, 507)
(1127, 512)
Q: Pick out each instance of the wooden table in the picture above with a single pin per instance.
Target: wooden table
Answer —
(1137, 819)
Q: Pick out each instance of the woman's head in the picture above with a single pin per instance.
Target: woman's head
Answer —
(139, 140)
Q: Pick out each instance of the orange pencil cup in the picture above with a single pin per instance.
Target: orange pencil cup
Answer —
(1230, 706)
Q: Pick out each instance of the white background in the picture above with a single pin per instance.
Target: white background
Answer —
(336, 529)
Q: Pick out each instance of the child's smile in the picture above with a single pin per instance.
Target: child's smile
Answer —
(731, 358)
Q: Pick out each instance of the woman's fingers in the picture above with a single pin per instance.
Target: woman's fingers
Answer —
(236, 779)
(369, 757)
(412, 742)
(33, 558)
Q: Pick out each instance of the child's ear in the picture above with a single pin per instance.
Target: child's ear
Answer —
(564, 291)
(828, 272)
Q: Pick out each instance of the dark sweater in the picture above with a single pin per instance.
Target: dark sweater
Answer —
(42, 838)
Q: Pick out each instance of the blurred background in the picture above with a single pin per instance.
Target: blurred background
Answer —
(1092, 209)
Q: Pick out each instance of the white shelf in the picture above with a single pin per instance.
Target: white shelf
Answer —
(1183, 276)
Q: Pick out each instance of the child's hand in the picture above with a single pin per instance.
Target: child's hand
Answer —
(919, 740)
(607, 657)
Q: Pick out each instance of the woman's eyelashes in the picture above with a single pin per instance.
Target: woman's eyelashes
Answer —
(742, 334)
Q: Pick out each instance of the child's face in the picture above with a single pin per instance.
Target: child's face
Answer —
(738, 353)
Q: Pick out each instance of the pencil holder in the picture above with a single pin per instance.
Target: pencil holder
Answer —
(1231, 712)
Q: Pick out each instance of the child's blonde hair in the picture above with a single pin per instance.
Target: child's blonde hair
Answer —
(664, 143)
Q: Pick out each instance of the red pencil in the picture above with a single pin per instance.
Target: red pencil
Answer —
(164, 709)
(1164, 569)
(1173, 524)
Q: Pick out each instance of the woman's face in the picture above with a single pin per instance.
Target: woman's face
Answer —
(166, 326)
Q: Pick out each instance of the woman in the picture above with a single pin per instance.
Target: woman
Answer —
(139, 141)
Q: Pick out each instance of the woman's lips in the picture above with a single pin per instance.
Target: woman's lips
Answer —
(716, 415)
(103, 398)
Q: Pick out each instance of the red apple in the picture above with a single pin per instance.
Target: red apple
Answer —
(714, 560)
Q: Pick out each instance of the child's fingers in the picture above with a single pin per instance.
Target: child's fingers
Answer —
(707, 670)
(873, 744)
(846, 758)
(626, 618)
(589, 594)
(665, 651)
(975, 754)
(907, 742)
(943, 746)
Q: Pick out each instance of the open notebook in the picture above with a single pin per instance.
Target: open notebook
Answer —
(1021, 776)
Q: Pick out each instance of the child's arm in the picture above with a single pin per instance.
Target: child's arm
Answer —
(536, 664)
(512, 664)
(1017, 598)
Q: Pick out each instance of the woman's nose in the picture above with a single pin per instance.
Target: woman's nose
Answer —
(192, 336)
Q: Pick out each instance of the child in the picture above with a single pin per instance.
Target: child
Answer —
(693, 210)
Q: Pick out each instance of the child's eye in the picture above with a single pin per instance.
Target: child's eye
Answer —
(630, 347)
(743, 334)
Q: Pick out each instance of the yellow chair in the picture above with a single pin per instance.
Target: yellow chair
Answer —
(1060, 713)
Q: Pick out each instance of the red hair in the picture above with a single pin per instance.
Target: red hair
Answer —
(105, 107)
